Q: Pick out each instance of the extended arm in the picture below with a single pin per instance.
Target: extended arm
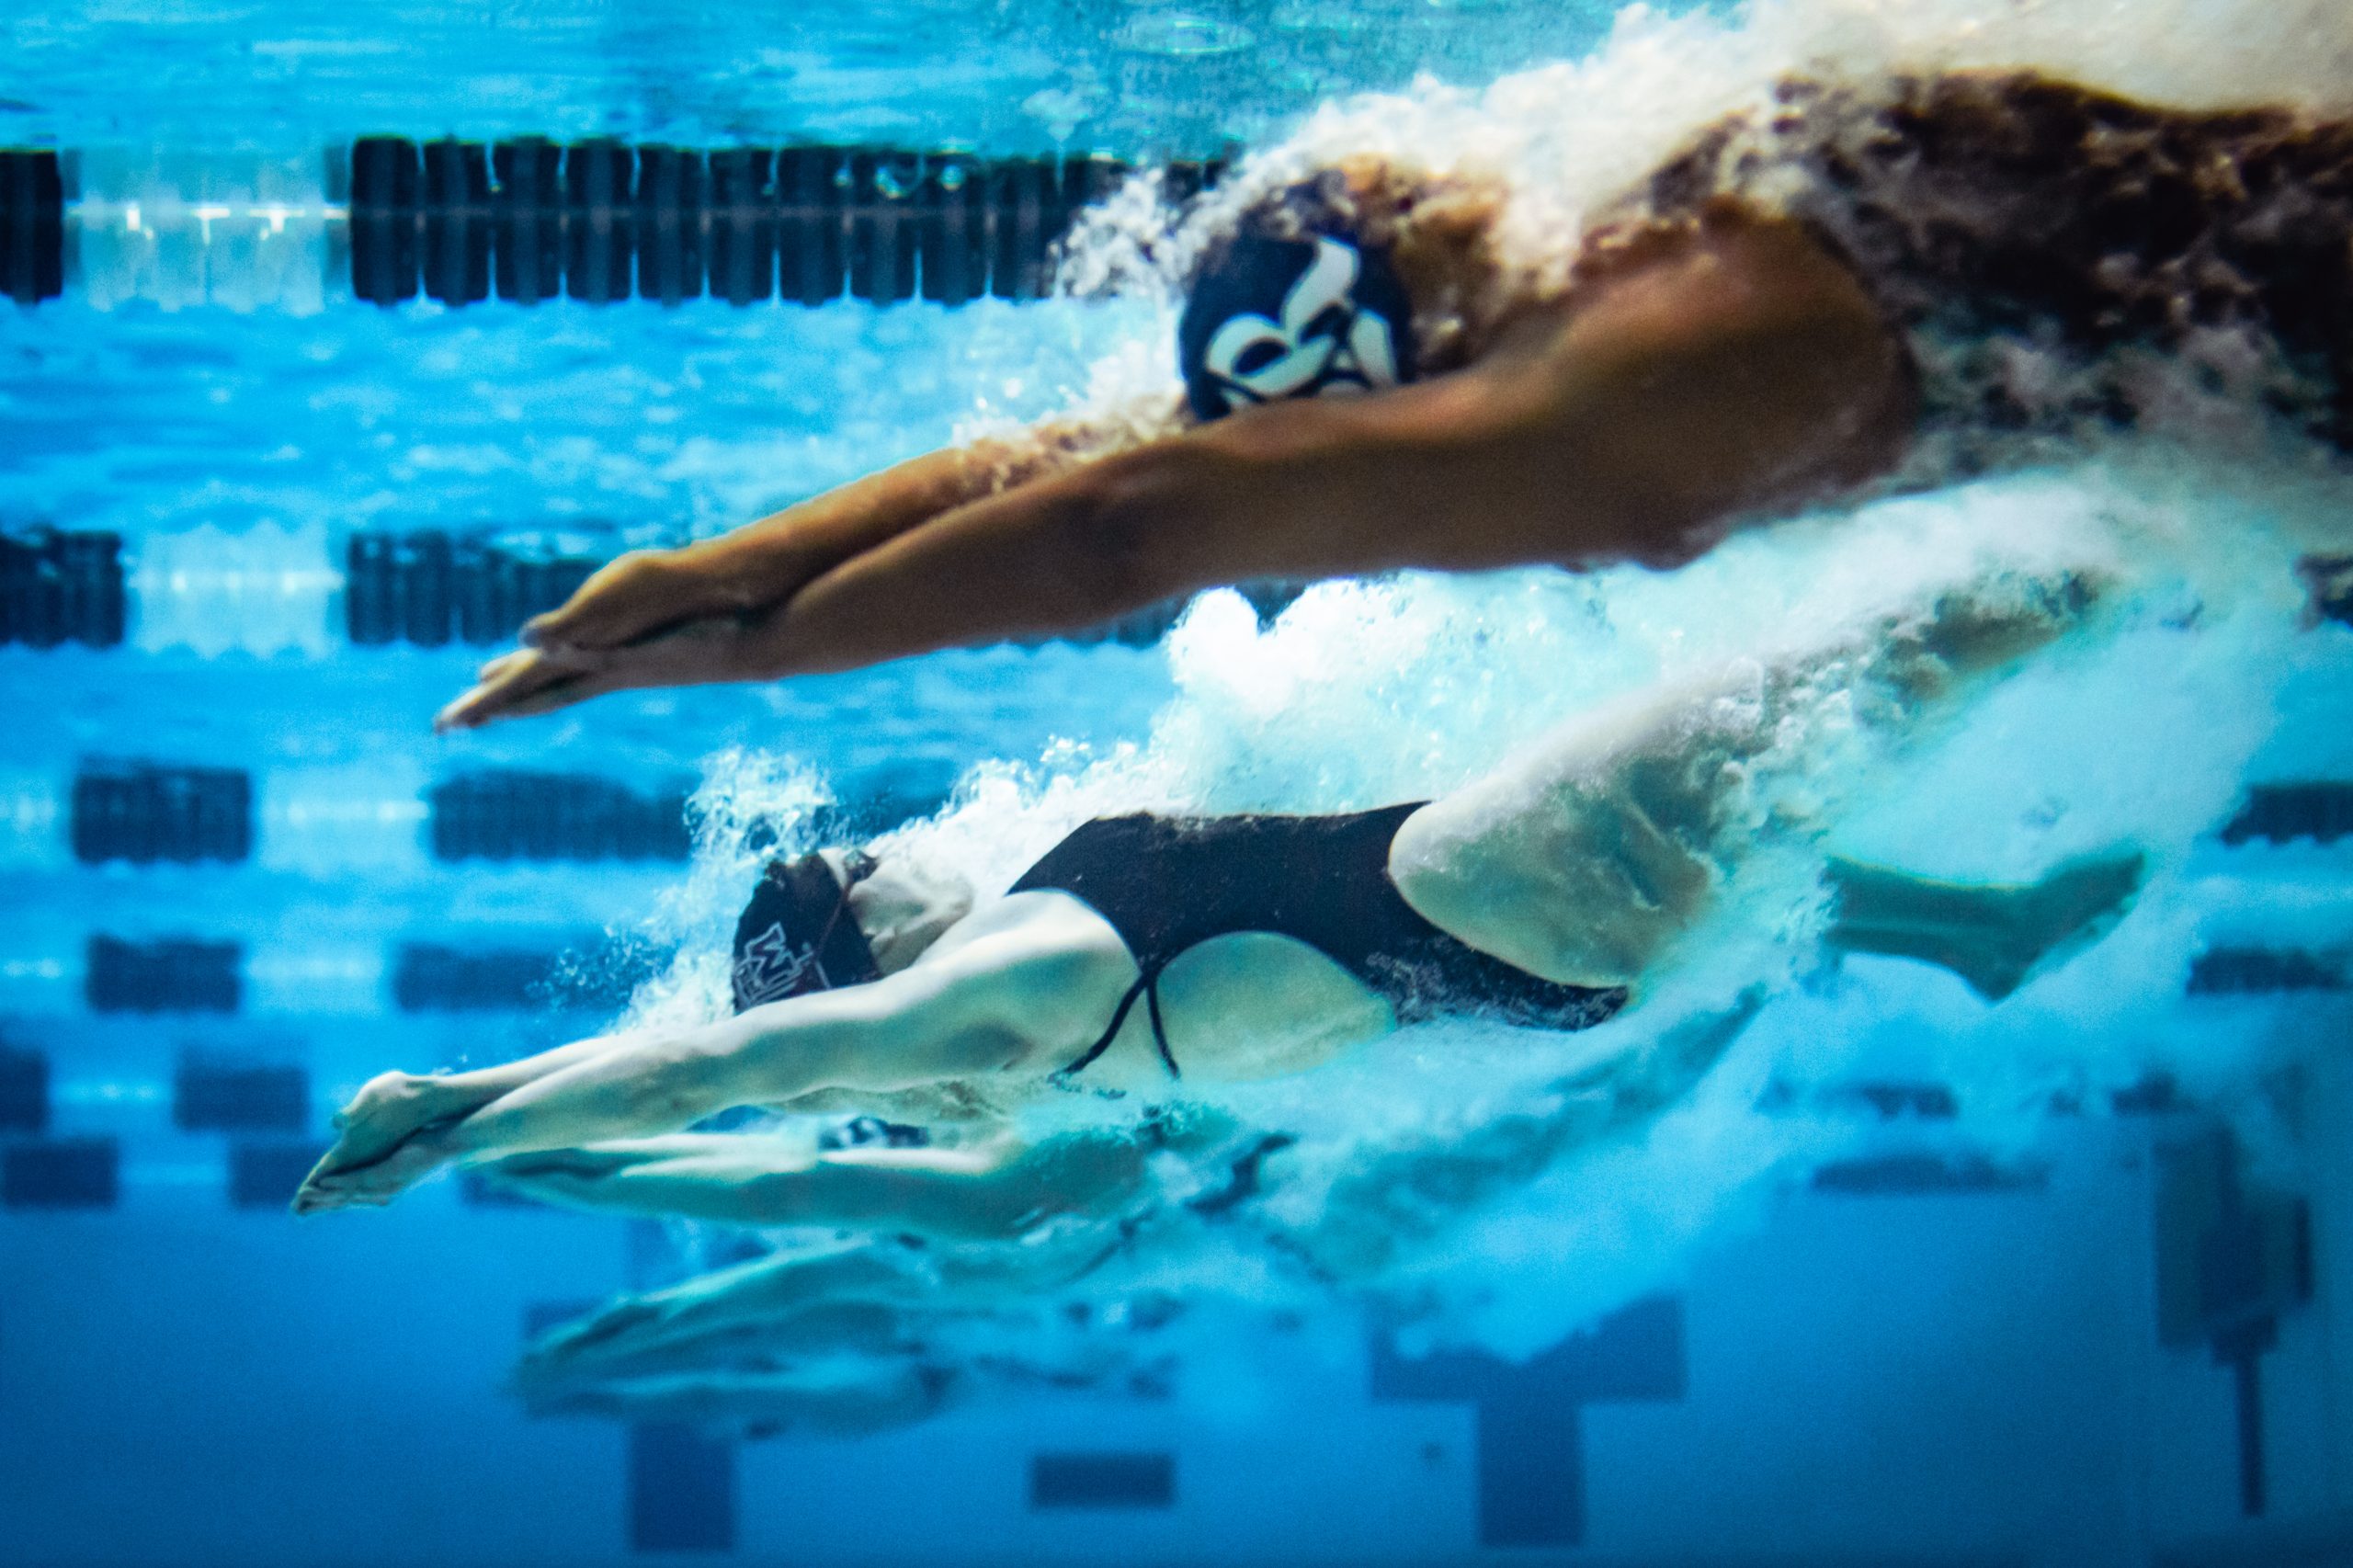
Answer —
(1027, 981)
(671, 617)
(1744, 372)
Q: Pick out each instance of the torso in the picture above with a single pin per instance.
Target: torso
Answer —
(2058, 258)
(1226, 915)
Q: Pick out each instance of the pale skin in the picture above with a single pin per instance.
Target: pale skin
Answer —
(1582, 863)
(848, 1364)
(1728, 371)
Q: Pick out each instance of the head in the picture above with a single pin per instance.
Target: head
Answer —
(839, 917)
(1363, 277)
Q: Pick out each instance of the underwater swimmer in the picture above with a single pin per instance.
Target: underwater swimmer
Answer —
(1143, 949)
(1849, 285)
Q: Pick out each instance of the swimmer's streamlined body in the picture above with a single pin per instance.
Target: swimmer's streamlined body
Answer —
(1849, 286)
(1142, 949)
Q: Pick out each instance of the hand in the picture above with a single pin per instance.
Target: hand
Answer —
(652, 618)
(542, 679)
(699, 613)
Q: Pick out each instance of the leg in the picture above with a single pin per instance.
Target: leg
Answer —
(1018, 987)
(1995, 938)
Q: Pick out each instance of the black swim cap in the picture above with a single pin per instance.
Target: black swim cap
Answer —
(798, 935)
(1271, 318)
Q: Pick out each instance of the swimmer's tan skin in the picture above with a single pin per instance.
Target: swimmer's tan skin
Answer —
(1724, 372)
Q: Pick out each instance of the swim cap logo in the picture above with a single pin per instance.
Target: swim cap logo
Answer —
(1314, 356)
(770, 967)
(1285, 318)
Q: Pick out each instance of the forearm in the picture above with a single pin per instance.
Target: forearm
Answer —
(807, 537)
(1129, 531)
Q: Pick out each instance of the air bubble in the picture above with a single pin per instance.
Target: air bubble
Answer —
(1182, 34)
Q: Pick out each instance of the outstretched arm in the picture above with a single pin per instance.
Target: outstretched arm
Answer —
(1738, 369)
(661, 616)
(1026, 982)
(1745, 372)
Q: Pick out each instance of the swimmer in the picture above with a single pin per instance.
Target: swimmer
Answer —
(1847, 287)
(1142, 950)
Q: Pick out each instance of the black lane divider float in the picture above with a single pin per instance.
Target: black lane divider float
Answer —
(431, 977)
(32, 226)
(2242, 970)
(24, 1090)
(599, 220)
(516, 814)
(2279, 814)
(428, 587)
(143, 812)
(59, 586)
(211, 1096)
(176, 975)
(60, 1172)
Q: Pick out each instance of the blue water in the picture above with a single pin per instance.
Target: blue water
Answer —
(1906, 1280)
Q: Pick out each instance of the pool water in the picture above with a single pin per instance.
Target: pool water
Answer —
(1903, 1277)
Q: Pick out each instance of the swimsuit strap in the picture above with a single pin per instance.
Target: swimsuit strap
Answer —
(1147, 986)
(1159, 1029)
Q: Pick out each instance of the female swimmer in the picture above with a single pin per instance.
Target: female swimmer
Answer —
(1142, 949)
(1841, 287)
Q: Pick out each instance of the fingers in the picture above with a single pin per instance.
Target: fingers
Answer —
(540, 680)
(503, 684)
(641, 592)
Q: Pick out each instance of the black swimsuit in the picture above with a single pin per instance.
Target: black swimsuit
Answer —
(2036, 241)
(1166, 884)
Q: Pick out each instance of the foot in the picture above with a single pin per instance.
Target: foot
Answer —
(635, 1336)
(1995, 938)
(604, 1331)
